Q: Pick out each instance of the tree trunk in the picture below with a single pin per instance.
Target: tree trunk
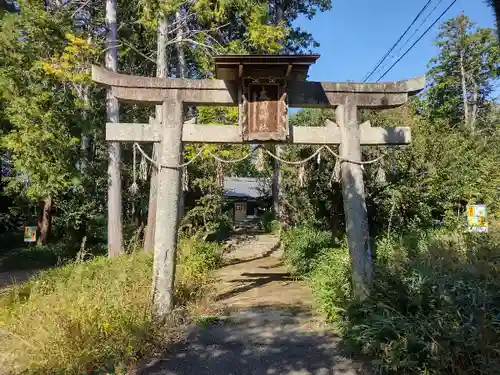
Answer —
(464, 88)
(279, 12)
(219, 174)
(276, 165)
(161, 71)
(473, 118)
(115, 237)
(276, 182)
(45, 222)
(181, 73)
(85, 139)
(180, 44)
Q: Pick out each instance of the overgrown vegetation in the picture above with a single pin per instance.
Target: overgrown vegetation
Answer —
(269, 222)
(303, 247)
(434, 307)
(195, 261)
(95, 316)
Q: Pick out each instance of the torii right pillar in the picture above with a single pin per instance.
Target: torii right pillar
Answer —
(352, 136)
(353, 194)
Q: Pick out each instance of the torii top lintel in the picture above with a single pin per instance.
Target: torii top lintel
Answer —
(230, 91)
(224, 91)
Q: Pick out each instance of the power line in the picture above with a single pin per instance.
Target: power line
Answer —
(418, 40)
(413, 34)
(400, 38)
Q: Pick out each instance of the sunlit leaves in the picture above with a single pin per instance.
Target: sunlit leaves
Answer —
(73, 63)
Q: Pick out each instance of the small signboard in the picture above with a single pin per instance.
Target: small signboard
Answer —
(476, 218)
(29, 234)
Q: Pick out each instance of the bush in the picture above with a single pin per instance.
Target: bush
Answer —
(303, 246)
(434, 307)
(92, 316)
(195, 261)
(330, 282)
(35, 257)
(269, 222)
(273, 226)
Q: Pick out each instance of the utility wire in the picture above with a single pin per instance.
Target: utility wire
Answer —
(418, 40)
(395, 44)
(412, 35)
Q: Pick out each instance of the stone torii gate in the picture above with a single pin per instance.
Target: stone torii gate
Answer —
(263, 87)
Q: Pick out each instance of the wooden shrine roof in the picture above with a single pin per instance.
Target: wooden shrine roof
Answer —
(291, 67)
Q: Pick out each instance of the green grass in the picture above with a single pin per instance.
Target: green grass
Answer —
(434, 307)
(92, 317)
(303, 246)
(33, 257)
(205, 321)
(330, 282)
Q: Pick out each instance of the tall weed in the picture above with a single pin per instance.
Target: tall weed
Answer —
(196, 259)
(87, 317)
(434, 307)
(330, 282)
(303, 246)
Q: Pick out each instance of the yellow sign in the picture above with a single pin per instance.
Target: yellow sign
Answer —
(476, 218)
(29, 234)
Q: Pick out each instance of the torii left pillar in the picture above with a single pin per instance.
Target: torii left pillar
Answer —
(169, 177)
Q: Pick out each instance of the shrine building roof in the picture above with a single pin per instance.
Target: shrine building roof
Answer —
(289, 67)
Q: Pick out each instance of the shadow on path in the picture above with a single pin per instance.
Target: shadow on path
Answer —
(257, 341)
(253, 280)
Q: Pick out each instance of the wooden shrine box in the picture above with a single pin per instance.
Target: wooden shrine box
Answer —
(262, 97)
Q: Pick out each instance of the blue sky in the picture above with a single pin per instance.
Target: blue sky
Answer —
(355, 34)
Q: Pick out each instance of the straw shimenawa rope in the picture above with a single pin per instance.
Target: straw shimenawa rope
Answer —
(317, 153)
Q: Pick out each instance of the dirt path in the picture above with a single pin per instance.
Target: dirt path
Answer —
(257, 277)
(15, 277)
(271, 328)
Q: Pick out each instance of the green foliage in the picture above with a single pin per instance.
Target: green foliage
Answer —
(330, 281)
(430, 181)
(94, 316)
(434, 306)
(303, 246)
(434, 310)
(36, 257)
(462, 73)
(269, 223)
(41, 140)
(311, 194)
(435, 178)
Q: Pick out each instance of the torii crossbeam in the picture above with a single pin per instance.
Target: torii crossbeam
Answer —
(263, 87)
